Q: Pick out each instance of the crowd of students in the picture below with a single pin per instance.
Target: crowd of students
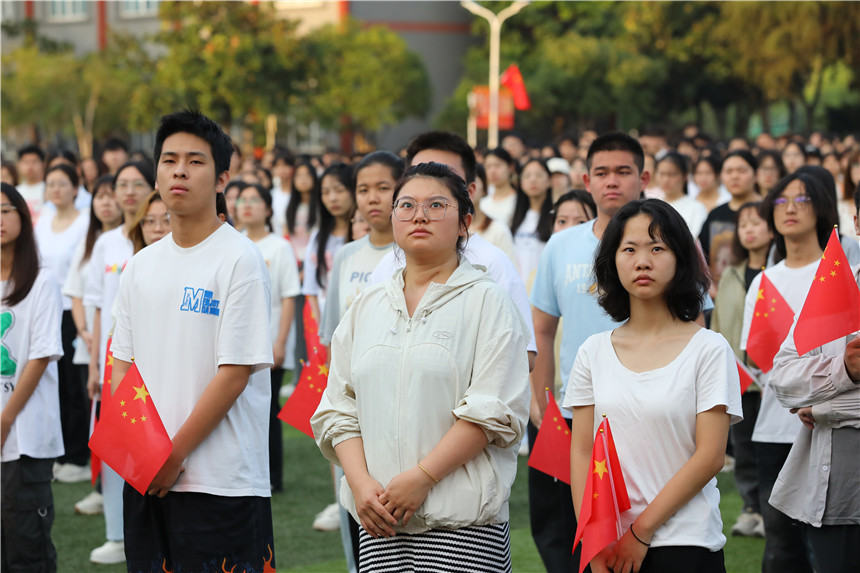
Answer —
(452, 287)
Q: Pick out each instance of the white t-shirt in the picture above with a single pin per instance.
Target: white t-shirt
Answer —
(284, 276)
(528, 246)
(31, 330)
(477, 252)
(775, 424)
(181, 313)
(111, 254)
(280, 200)
(350, 274)
(501, 210)
(34, 196)
(310, 286)
(693, 212)
(653, 420)
(75, 287)
(499, 236)
(57, 249)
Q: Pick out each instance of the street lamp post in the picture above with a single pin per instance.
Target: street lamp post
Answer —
(495, 21)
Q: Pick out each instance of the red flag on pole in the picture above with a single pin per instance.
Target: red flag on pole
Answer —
(604, 498)
(312, 381)
(746, 376)
(130, 436)
(95, 462)
(771, 322)
(512, 79)
(551, 452)
(832, 306)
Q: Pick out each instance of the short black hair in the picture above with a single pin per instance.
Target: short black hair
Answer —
(65, 154)
(70, 172)
(455, 184)
(685, 293)
(444, 141)
(617, 141)
(380, 157)
(814, 180)
(31, 149)
(264, 194)
(193, 122)
(115, 143)
(739, 252)
(143, 167)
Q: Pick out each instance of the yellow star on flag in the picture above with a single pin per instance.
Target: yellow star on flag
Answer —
(125, 414)
(141, 393)
(600, 468)
(821, 279)
(836, 262)
(143, 418)
(110, 360)
(760, 294)
(122, 402)
(832, 273)
(134, 420)
(595, 495)
(323, 369)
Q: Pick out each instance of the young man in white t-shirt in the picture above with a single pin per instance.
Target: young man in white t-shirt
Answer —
(193, 314)
(563, 287)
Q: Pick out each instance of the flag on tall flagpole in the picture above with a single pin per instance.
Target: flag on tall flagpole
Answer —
(604, 498)
(130, 437)
(551, 452)
(512, 79)
(832, 306)
(771, 322)
(312, 381)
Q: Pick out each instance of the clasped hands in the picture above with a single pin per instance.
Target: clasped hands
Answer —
(380, 509)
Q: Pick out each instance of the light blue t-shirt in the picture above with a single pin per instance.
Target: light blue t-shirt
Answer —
(564, 287)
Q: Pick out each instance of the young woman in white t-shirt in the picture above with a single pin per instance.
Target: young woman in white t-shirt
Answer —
(501, 192)
(492, 231)
(532, 220)
(336, 202)
(301, 215)
(669, 388)
(672, 171)
(254, 211)
(30, 433)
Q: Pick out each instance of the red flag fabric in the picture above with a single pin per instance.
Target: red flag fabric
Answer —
(312, 381)
(832, 306)
(771, 322)
(130, 436)
(512, 79)
(95, 462)
(605, 497)
(551, 452)
(746, 376)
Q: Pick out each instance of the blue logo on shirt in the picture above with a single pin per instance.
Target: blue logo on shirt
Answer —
(200, 301)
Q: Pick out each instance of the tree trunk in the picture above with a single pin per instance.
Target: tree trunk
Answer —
(809, 106)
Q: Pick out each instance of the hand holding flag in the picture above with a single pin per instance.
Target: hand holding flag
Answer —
(130, 437)
(832, 306)
(551, 452)
(605, 497)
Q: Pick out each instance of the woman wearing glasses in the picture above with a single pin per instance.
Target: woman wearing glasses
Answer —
(427, 395)
(801, 212)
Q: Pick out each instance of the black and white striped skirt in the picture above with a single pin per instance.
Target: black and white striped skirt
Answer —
(476, 549)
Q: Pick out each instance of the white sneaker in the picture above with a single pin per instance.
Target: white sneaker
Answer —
(57, 467)
(328, 519)
(747, 524)
(70, 473)
(286, 390)
(109, 553)
(524, 449)
(758, 531)
(93, 504)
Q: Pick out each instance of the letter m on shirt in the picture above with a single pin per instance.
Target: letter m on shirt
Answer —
(200, 301)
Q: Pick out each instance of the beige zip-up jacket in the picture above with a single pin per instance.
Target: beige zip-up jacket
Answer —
(401, 382)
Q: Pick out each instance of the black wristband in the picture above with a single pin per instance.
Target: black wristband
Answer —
(637, 537)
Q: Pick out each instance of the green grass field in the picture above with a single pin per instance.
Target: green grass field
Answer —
(308, 488)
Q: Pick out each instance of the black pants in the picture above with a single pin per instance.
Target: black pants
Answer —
(746, 466)
(27, 516)
(553, 521)
(276, 439)
(683, 559)
(785, 547)
(834, 548)
(74, 402)
(186, 531)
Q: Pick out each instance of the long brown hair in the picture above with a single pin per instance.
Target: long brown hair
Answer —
(26, 264)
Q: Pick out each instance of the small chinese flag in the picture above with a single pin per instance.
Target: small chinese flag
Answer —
(771, 322)
(605, 497)
(832, 306)
(512, 79)
(130, 436)
(312, 382)
(551, 452)
(745, 375)
(95, 462)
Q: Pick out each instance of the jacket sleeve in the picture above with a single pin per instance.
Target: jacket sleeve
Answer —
(497, 399)
(336, 417)
(817, 379)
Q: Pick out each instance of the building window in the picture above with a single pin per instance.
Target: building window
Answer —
(139, 8)
(67, 10)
